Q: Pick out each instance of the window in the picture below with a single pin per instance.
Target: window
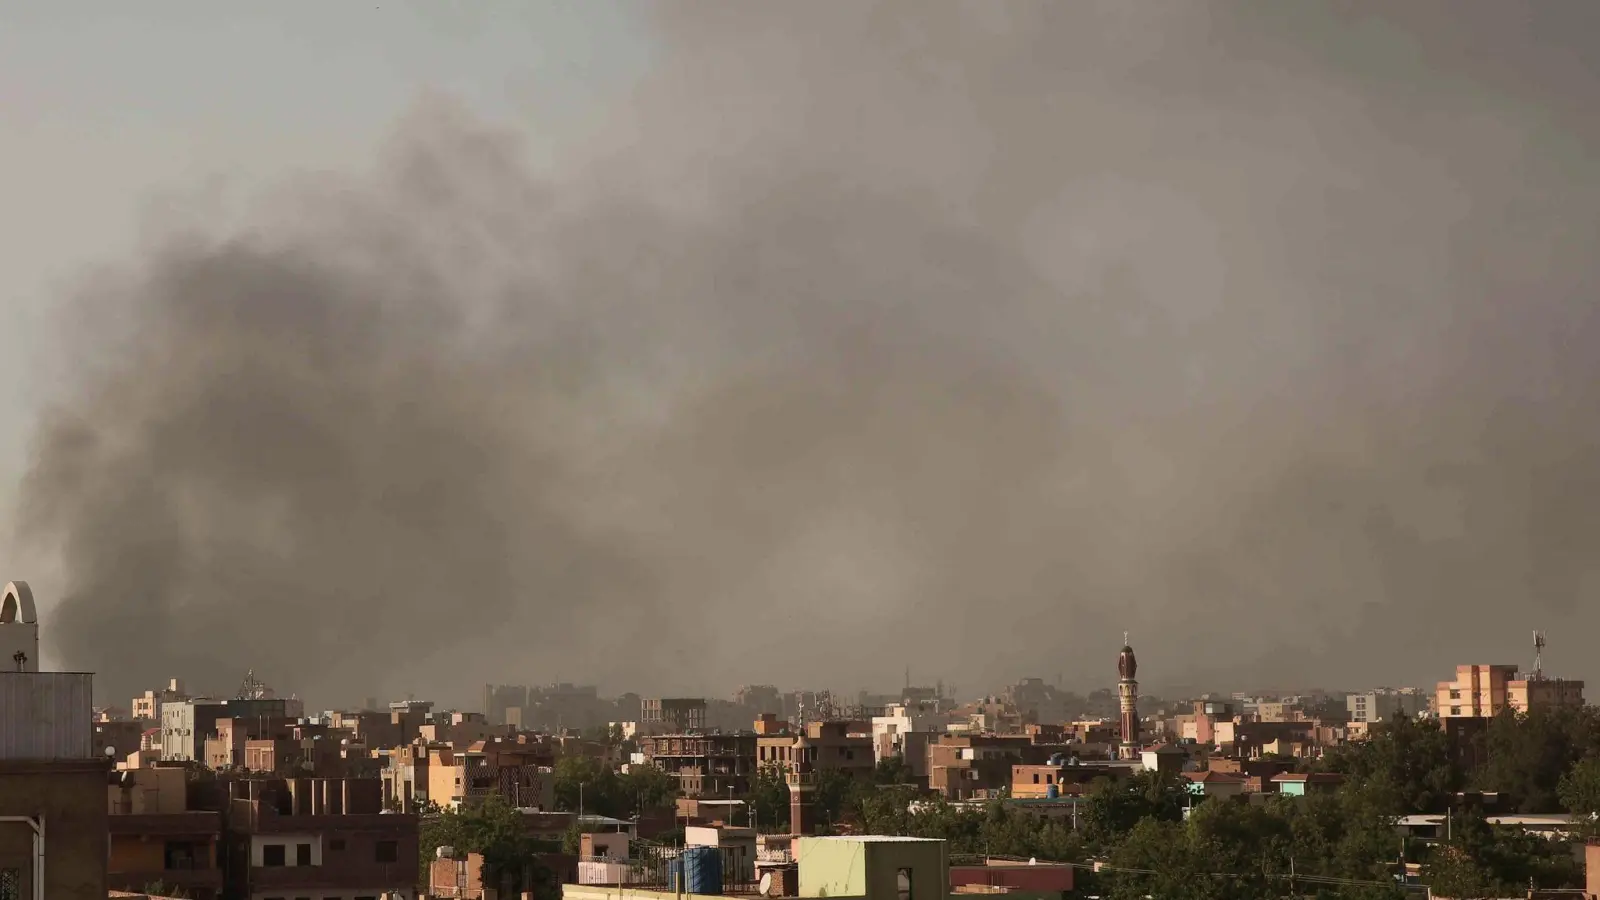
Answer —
(902, 884)
(1455, 695)
(272, 855)
(849, 754)
(302, 854)
(388, 851)
(10, 884)
(1036, 778)
(336, 844)
(1455, 710)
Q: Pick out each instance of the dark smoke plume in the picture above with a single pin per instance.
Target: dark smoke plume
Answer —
(957, 335)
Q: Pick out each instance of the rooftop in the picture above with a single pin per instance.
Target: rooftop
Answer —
(875, 839)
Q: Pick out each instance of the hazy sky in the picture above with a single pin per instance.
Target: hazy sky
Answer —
(680, 345)
(108, 109)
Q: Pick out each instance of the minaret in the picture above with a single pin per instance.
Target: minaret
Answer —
(1128, 700)
(802, 787)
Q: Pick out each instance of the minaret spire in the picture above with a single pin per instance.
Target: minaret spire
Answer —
(1128, 699)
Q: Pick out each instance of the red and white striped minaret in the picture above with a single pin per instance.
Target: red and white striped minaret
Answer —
(1128, 700)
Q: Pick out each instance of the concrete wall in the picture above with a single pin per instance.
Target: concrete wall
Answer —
(71, 797)
(869, 867)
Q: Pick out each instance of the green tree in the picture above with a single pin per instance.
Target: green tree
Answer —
(833, 797)
(893, 770)
(1115, 808)
(1406, 767)
(1579, 790)
(647, 787)
(497, 831)
(1526, 754)
(591, 784)
(768, 798)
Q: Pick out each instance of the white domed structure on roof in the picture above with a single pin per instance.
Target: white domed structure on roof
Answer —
(19, 629)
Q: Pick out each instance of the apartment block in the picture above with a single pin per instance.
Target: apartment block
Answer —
(519, 773)
(1484, 691)
(709, 764)
(147, 706)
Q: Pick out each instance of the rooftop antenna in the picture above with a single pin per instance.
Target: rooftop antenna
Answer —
(1538, 655)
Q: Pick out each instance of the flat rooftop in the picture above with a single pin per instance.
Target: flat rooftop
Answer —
(874, 839)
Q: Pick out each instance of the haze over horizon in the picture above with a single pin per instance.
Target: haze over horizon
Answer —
(806, 342)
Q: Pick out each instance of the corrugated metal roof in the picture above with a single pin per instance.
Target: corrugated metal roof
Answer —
(46, 715)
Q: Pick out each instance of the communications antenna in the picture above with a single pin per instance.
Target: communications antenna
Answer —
(1538, 656)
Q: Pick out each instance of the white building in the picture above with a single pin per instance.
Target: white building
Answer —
(888, 729)
(1379, 705)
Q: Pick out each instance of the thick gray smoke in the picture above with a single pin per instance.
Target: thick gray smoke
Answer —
(963, 336)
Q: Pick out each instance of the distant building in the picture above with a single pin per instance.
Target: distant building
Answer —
(147, 706)
(1379, 706)
(905, 730)
(759, 698)
(1485, 691)
(659, 715)
(831, 745)
(1039, 702)
(704, 764)
(187, 724)
(499, 699)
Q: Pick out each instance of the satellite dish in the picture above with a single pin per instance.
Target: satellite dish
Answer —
(766, 884)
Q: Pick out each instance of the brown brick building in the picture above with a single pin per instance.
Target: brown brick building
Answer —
(709, 764)
(317, 838)
(156, 837)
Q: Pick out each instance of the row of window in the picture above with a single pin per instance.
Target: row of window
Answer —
(275, 855)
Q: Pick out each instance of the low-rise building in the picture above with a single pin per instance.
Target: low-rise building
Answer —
(157, 839)
(965, 766)
(1211, 783)
(320, 838)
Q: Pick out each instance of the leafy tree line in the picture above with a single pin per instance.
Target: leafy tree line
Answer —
(1343, 844)
(603, 791)
(1546, 760)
